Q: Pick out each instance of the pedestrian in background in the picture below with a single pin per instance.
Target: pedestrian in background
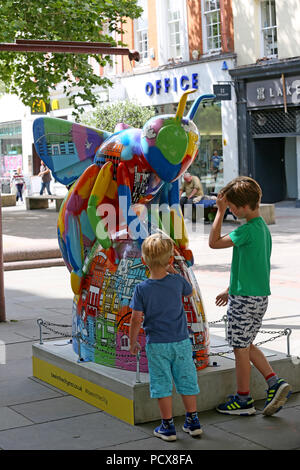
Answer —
(157, 302)
(19, 182)
(45, 174)
(215, 163)
(247, 295)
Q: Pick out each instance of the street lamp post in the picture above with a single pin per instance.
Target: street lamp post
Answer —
(2, 296)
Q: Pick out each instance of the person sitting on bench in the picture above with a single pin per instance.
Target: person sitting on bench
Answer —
(192, 188)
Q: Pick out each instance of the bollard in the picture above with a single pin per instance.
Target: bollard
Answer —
(40, 323)
(78, 336)
(137, 377)
(2, 293)
(288, 333)
(225, 321)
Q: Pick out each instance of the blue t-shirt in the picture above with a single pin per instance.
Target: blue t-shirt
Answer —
(216, 160)
(160, 300)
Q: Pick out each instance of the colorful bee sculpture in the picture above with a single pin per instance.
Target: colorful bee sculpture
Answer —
(123, 186)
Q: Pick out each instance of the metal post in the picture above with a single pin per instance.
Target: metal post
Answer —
(78, 336)
(288, 333)
(137, 377)
(69, 47)
(225, 321)
(40, 323)
(2, 296)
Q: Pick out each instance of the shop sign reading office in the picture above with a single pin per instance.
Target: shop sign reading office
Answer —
(167, 84)
(270, 92)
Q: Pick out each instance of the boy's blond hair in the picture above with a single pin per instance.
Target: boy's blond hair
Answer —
(243, 191)
(157, 250)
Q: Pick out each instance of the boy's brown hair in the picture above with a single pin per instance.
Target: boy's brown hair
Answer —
(243, 191)
(157, 250)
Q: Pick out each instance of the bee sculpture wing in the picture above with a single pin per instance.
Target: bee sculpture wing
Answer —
(65, 147)
(75, 234)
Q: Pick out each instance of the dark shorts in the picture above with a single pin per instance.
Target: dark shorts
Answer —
(244, 316)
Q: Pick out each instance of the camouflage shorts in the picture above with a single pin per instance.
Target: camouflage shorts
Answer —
(244, 314)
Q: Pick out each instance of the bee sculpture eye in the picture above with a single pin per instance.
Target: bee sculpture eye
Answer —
(187, 126)
(191, 129)
(149, 132)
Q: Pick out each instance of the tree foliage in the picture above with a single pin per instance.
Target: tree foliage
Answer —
(32, 75)
(106, 117)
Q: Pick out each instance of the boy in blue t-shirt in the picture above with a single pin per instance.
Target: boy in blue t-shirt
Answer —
(157, 302)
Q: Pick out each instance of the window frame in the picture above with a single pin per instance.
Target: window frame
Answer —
(110, 70)
(143, 60)
(264, 29)
(206, 38)
(173, 46)
(164, 52)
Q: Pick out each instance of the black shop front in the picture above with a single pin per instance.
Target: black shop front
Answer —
(268, 126)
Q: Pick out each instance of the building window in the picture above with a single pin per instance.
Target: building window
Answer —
(141, 33)
(175, 37)
(269, 28)
(212, 25)
(172, 31)
(10, 147)
(110, 68)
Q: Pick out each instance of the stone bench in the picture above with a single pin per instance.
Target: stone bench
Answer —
(8, 200)
(42, 202)
(267, 211)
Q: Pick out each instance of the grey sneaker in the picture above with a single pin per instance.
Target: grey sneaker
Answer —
(276, 397)
(236, 407)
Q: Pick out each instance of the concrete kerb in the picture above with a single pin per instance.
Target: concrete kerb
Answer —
(29, 241)
(29, 254)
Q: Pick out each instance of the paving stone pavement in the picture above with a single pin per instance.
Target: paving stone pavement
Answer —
(37, 416)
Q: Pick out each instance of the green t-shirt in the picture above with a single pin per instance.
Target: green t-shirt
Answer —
(250, 267)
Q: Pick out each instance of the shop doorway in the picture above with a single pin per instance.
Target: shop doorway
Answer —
(269, 168)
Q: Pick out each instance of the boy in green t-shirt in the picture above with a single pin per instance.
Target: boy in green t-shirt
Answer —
(247, 295)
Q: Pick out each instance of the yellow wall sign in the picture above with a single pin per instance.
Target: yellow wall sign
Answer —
(108, 401)
(54, 105)
(38, 107)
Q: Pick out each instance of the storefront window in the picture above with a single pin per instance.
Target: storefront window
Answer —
(10, 147)
(208, 165)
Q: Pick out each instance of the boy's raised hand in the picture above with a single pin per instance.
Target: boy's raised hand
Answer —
(221, 202)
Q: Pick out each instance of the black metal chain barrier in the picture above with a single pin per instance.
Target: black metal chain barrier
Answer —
(80, 339)
(286, 332)
(196, 347)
